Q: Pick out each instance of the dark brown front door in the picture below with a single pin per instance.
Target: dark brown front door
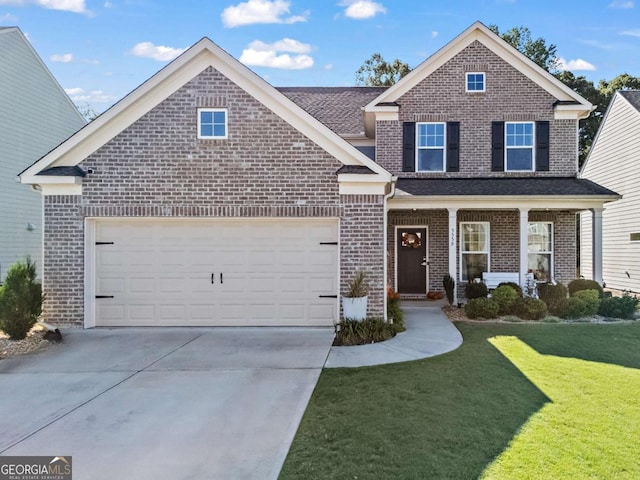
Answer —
(412, 257)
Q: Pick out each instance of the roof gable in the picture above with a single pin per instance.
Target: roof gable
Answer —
(479, 32)
(200, 56)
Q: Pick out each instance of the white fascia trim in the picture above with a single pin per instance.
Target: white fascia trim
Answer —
(387, 116)
(489, 202)
(360, 188)
(60, 189)
(493, 42)
(361, 141)
(570, 112)
(168, 80)
(51, 180)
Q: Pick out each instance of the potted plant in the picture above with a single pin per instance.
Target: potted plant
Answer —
(354, 302)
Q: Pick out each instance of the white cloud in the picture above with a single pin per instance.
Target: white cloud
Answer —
(260, 11)
(576, 64)
(362, 9)
(62, 58)
(157, 52)
(108, 4)
(90, 61)
(262, 54)
(631, 33)
(78, 94)
(434, 34)
(8, 18)
(328, 66)
(621, 4)
(76, 6)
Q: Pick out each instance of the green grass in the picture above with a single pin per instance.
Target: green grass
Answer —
(513, 402)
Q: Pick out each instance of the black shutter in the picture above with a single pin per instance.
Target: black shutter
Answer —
(497, 146)
(453, 146)
(542, 146)
(409, 147)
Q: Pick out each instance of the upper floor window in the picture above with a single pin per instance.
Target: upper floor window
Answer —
(475, 82)
(519, 146)
(430, 143)
(212, 123)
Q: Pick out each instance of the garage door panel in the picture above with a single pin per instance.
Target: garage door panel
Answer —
(159, 272)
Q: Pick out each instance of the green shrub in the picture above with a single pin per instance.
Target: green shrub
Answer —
(530, 308)
(395, 312)
(591, 299)
(449, 284)
(482, 307)
(513, 285)
(371, 330)
(475, 290)
(584, 284)
(20, 300)
(573, 307)
(552, 295)
(506, 296)
(619, 307)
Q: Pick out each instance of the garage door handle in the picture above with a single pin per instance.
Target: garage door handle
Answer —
(212, 278)
(328, 296)
(104, 296)
(221, 280)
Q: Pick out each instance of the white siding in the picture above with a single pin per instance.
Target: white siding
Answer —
(614, 162)
(35, 116)
(586, 259)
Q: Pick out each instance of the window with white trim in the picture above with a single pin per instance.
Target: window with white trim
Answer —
(540, 250)
(474, 250)
(634, 237)
(475, 82)
(430, 147)
(212, 123)
(519, 147)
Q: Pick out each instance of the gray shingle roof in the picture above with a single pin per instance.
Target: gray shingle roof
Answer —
(358, 169)
(632, 96)
(339, 108)
(525, 186)
(64, 171)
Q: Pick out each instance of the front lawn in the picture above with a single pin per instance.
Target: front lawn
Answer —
(513, 402)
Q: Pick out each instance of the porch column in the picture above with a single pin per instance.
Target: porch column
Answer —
(524, 245)
(453, 243)
(596, 245)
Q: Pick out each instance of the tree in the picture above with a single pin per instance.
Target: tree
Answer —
(536, 50)
(87, 111)
(20, 299)
(377, 72)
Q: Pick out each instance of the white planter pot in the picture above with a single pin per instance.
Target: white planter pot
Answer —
(354, 308)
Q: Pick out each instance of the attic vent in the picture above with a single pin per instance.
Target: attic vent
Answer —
(211, 102)
(475, 67)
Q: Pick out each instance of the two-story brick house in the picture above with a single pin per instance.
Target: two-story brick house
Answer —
(208, 197)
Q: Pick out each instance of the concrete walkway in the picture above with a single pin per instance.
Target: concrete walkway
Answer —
(429, 333)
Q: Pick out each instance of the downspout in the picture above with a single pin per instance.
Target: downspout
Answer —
(385, 222)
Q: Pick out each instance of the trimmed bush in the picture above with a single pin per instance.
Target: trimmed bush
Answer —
(584, 284)
(482, 307)
(475, 290)
(370, 330)
(449, 285)
(20, 300)
(506, 296)
(573, 307)
(513, 285)
(552, 295)
(591, 299)
(619, 307)
(530, 308)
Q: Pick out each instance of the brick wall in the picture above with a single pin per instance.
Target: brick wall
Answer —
(157, 167)
(509, 96)
(504, 241)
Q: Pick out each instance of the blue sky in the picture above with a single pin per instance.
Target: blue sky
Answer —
(99, 50)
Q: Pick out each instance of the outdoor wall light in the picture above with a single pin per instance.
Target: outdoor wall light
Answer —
(31, 227)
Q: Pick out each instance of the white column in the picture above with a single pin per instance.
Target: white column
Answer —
(596, 245)
(453, 249)
(524, 244)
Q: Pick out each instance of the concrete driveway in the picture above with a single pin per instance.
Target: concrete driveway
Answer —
(147, 403)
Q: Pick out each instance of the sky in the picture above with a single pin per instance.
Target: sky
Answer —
(100, 50)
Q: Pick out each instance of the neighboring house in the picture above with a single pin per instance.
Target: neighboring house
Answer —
(614, 161)
(208, 197)
(35, 116)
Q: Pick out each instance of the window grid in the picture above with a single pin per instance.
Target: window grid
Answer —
(212, 123)
(430, 143)
(540, 250)
(475, 250)
(475, 82)
(519, 143)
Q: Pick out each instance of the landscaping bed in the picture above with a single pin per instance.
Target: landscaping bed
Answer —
(33, 342)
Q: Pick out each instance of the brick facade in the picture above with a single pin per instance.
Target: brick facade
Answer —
(504, 241)
(158, 168)
(509, 96)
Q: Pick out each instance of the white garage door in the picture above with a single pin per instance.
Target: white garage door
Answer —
(223, 272)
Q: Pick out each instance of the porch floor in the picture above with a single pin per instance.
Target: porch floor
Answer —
(429, 333)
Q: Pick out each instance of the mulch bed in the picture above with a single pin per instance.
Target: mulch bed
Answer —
(32, 343)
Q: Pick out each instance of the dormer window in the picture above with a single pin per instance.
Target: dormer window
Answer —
(212, 123)
(475, 82)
